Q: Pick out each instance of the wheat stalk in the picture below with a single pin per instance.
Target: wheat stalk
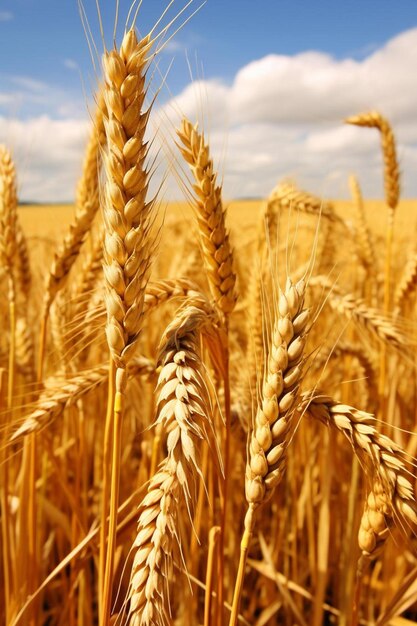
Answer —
(374, 119)
(128, 249)
(8, 221)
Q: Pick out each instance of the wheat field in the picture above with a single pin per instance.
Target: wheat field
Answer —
(208, 411)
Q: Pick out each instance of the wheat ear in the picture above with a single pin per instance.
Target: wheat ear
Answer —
(274, 423)
(374, 119)
(184, 414)
(355, 308)
(392, 493)
(25, 351)
(363, 239)
(8, 216)
(384, 458)
(59, 394)
(286, 195)
(259, 278)
(23, 269)
(89, 278)
(88, 186)
(218, 259)
(218, 256)
(376, 521)
(407, 285)
(69, 249)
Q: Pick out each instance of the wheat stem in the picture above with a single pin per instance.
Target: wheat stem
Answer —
(105, 489)
(211, 559)
(114, 494)
(244, 549)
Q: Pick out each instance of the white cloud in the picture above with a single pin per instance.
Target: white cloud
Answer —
(48, 155)
(6, 16)
(25, 97)
(281, 115)
(284, 115)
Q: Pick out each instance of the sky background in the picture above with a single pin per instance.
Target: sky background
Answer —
(272, 82)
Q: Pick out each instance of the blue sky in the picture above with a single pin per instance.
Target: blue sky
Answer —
(46, 61)
(44, 39)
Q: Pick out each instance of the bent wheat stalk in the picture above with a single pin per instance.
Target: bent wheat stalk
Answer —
(385, 458)
(364, 358)
(392, 494)
(374, 119)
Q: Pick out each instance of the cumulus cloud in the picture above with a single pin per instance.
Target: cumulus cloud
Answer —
(48, 153)
(281, 115)
(284, 115)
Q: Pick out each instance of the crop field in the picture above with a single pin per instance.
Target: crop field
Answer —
(207, 408)
(52, 220)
